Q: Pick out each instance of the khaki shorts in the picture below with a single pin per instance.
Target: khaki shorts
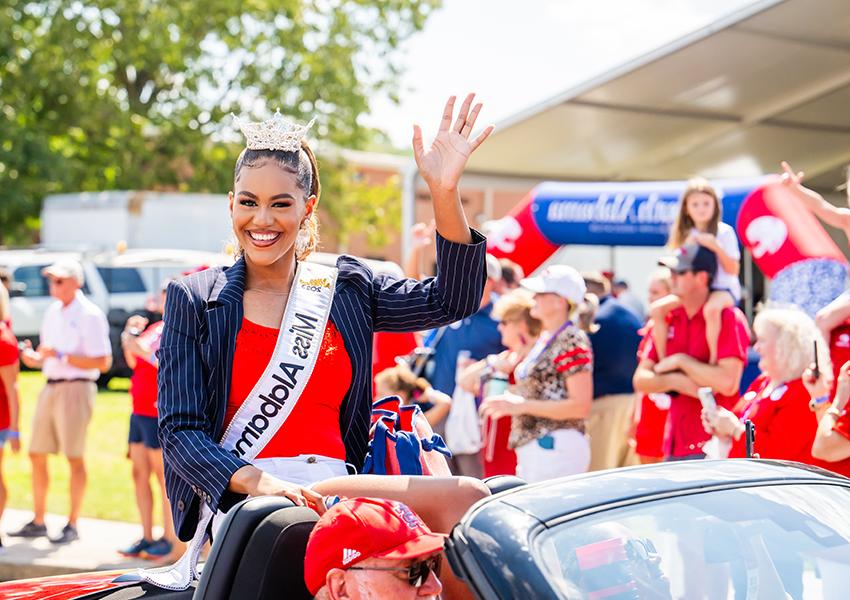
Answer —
(62, 417)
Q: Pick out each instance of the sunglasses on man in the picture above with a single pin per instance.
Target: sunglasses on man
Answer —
(417, 573)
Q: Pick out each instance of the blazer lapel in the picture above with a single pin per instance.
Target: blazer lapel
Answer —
(224, 312)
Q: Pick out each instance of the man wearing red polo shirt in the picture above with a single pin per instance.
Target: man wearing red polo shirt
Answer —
(686, 367)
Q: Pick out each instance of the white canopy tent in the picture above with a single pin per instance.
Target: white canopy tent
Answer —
(767, 83)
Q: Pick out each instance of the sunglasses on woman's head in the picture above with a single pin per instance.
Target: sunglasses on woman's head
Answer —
(417, 573)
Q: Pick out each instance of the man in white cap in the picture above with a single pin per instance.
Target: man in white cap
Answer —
(74, 349)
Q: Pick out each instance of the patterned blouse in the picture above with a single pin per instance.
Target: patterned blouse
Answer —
(567, 355)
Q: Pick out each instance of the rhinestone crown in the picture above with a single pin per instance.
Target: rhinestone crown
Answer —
(275, 134)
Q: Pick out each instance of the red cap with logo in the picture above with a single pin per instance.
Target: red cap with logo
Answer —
(359, 528)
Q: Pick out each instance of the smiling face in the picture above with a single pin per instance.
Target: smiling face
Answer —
(267, 209)
(701, 208)
(766, 347)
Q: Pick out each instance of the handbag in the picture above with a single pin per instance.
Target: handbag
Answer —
(401, 442)
(463, 429)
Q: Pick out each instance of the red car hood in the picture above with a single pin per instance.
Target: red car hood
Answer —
(61, 587)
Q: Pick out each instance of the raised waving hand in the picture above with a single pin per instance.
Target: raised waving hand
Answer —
(442, 164)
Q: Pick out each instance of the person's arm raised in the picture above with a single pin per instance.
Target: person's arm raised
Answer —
(829, 444)
(442, 165)
(831, 215)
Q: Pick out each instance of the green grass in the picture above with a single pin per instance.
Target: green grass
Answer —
(110, 492)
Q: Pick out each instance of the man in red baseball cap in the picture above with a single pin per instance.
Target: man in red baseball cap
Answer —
(365, 548)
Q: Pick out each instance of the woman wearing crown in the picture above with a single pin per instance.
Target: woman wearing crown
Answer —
(265, 366)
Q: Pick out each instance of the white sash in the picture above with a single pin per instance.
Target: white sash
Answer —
(270, 402)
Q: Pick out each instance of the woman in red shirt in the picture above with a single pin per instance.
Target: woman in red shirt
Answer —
(777, 402)
(140, 341)
(650, 416)
(298, 423)
(832, 440)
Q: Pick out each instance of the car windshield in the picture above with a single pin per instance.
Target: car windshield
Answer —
(121, 280)
(33, 282)
(781, 541)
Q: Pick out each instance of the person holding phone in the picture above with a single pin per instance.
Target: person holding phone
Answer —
(778, 401)
(495, 374)
(688, 365)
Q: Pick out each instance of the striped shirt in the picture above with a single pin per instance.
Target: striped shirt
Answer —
(203, 315)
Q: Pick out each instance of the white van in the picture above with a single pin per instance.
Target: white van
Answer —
(120, 283)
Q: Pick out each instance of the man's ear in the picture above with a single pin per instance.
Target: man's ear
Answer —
(335, 582)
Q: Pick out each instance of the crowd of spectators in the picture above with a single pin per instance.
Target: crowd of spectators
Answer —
(563, 372)
(584, 377)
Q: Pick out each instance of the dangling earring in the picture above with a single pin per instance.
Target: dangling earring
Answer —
(302, 241)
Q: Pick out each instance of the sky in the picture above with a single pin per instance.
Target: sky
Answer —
(517, 54)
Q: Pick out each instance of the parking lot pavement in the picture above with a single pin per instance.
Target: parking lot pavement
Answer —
(95, 550)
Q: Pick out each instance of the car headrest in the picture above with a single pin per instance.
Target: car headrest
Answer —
(231, 541)
(273, 564)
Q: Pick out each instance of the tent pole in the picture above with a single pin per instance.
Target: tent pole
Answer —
(748, 285)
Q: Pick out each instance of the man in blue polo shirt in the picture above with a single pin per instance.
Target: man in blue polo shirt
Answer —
(466, 341)
(615, 346)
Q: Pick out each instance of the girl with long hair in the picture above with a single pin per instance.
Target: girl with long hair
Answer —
(699, 221)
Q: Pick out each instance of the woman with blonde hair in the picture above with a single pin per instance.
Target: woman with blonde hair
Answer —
(519, 331)
(777, 402)
(554, 383)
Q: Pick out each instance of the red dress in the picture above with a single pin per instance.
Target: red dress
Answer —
(313, 425)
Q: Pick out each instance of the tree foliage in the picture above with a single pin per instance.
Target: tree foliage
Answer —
(135, 94)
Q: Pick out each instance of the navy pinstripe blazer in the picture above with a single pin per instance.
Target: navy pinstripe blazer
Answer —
(203, 314)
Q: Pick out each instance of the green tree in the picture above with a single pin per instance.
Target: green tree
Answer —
(135, 94)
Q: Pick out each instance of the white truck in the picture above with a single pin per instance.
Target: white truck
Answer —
(132, 219)
(121, 284)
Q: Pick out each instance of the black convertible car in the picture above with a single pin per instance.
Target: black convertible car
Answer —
(750, 529)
